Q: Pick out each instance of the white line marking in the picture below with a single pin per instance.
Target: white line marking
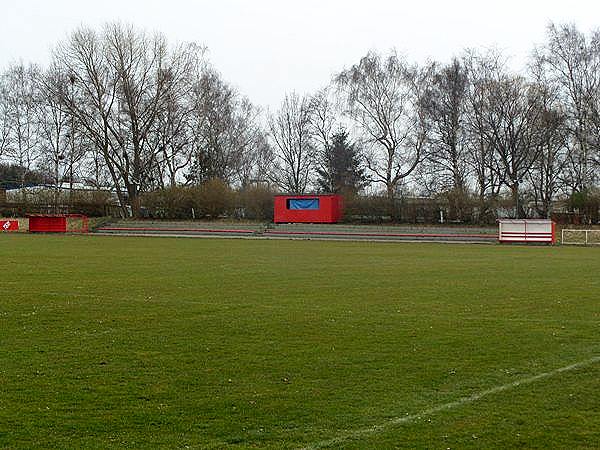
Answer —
(465, 400)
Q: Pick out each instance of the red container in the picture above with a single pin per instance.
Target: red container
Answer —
(48, 224)
(308, 208)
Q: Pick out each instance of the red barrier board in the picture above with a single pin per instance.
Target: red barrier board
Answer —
(47, 224)
(9, 225)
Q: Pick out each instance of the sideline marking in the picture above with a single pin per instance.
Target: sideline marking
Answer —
(470, 399)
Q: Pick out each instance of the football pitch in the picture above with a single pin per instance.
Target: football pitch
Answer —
(117, 342)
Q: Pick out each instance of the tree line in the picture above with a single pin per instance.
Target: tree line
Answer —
(124, 109)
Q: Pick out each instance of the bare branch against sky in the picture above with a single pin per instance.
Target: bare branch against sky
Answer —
(269, 47)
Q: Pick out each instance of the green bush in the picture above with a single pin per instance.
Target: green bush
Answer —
(214, 198)
(170, 203)
(586, 203)
(256, 202)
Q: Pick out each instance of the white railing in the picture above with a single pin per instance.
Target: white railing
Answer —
(580, 237)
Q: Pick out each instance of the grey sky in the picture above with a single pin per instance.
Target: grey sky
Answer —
(268, 47)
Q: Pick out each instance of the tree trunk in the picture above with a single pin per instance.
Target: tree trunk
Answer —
(134, 200)
(391, 199)
(514, 190)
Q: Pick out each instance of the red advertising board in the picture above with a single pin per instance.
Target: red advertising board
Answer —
(9, 225)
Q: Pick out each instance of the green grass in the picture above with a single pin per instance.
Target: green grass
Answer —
(113, 342)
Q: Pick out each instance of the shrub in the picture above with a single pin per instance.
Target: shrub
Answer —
(586, 203)
(174, 202)
(256, 202)
(214, 198)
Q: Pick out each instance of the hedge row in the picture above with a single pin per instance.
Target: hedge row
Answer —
(212, 199)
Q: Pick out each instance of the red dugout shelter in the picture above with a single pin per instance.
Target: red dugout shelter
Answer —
(308, 208)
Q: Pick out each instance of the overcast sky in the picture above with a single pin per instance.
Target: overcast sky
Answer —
(268, 47)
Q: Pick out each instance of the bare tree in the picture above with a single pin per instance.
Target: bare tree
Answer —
(4, 117)
(255, 153)
(53, 122)
(486, 171)
(293, 144)
(123, 79)
(92, 168)
(92, 97)
(144, 71)
(225, 131)
(548, 171)
(572, 63)
(446, 162)
(323, 118)
(172, 139)
(513, 114)
(22, 135)
(384, 96)
(593, 100)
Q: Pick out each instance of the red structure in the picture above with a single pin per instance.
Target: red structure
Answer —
(55, 223)
(308, 208)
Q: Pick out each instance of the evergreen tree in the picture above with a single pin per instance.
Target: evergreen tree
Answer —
(340, 169)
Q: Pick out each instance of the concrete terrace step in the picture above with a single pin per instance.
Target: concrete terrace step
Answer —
(302, 231)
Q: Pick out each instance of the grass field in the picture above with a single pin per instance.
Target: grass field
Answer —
(114, 342)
